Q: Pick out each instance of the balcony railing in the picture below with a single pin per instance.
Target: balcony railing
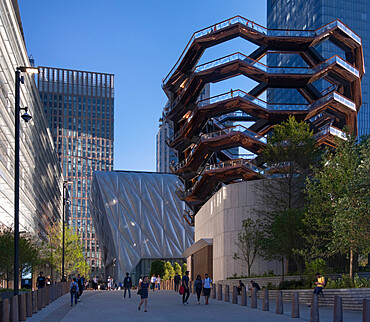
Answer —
(331, 130)
(269, 32)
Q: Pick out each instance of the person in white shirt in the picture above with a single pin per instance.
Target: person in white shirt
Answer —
(158, 282)
(207, 284)
(153, 280)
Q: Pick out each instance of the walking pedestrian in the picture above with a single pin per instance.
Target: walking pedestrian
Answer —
(207, 284)
(153, 280)
(41, 280)
(95, 283)
(185, 284)
(176, 280)
(158, 282)
(80, 283)
(73, 290)
(198, 287)
(127, 283)
(110, 283)
(143, 288)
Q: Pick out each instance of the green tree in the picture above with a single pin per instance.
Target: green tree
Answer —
(169, 272)
(29, 254)
(248, 243)
(184, 268)
(157, 267)
(338, 217)
(74, 259)
(177, 268)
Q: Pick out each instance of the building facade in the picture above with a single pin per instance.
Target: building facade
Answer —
(138, 218)
(79, 107)
(311, 15)
(41, 181)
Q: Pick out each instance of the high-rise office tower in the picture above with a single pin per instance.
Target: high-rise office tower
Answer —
(79, 107)
(40, 175)
(311, 15)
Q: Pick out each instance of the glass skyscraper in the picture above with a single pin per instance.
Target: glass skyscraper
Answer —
(79, 107)
(313, 14)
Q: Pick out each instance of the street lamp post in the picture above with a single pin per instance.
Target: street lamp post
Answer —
(18, 80)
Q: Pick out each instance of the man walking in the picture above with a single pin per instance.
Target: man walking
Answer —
(152, 281)
(127, 283)
(80, 283)
(176, 280)
(207, 284)
(41, 280)
(185, 284)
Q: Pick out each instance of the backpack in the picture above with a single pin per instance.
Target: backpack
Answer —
(74, 288)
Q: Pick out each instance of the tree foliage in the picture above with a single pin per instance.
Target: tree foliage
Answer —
(248, 243)
(338, 217)
(29, 254)
(177, 268)
(157, 267)
(184, 268)
(74, 258)
(169, 272)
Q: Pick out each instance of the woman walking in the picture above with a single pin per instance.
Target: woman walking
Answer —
(198, 287)
(143, 288)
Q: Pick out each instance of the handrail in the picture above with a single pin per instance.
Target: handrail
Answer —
(331, 130)
(263, 30)
(270, 106)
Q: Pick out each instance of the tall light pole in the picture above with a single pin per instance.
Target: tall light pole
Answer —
(65, 200)
(26, 117)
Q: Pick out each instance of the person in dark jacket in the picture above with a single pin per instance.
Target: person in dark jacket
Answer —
(185, 284)
(81, 282)
(176, 280)
(41, 280)
(127, 283)
(198, 287)
(240, 287)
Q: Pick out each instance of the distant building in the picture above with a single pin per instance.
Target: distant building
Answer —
(41, 181)
(79, 107)
(311, 15)
(138, 218)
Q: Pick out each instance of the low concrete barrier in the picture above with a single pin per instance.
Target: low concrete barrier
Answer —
(295, 305)
(338, 309)
(219, 292)
(4, 310)
(314, 316)
(265, 301)
(279, 303)
(227, 294)
(14, 314)
(34, 302)
(235, 295)
(254, 298)
(213, 291)
(366, 310)
(29, 304)
(243, 297)
(39, 299)
(22, 307)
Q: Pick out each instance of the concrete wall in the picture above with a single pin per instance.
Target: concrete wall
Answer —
(221, 219)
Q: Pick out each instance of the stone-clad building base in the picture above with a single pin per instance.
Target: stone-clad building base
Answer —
(217, 225)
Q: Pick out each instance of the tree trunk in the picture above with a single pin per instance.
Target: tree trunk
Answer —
(282, 268)
(351, 263)
(249, 270)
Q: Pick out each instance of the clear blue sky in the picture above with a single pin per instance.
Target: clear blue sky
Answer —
(139, 42)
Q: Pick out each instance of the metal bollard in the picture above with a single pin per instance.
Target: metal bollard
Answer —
(214, 291)
(227, 293)
(254, 298)
(34, 302)
(235, 295)
(279, 303)
(4, 310)
(295, 305)
(39, 299)
(22, 307)
(338, 309)
(266, 302)
(314, 316)
(366, 310)
(29, 304)
(244, 297)
(14, 314)
(219, 292)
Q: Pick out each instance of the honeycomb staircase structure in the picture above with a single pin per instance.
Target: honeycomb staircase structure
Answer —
(201, 139)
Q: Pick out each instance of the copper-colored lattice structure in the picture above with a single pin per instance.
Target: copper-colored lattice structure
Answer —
(204, 160)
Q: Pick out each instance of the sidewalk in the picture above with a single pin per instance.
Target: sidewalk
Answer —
(166, 306)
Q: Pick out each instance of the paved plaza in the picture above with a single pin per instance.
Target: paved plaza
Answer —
(166, 306)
